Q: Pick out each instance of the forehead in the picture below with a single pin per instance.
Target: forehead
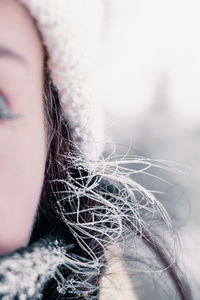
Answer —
(18, 33)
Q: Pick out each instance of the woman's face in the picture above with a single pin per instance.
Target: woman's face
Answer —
(22, 139)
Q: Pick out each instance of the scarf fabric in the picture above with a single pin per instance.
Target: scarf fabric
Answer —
(26, 272)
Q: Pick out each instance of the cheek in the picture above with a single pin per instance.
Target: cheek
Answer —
(22, 167)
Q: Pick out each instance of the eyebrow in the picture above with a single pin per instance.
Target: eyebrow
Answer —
(6, 52)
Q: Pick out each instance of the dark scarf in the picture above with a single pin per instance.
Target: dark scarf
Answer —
(25, 273)
(37, 270)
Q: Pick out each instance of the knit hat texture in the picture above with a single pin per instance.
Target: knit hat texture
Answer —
(72, 31)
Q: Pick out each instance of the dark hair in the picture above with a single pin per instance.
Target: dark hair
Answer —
(60, 163)
(58, 206)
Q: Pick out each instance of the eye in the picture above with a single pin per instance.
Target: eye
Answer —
(4, 109)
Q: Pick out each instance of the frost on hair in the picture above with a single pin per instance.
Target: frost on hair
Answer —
(106, 207)
(99, 207)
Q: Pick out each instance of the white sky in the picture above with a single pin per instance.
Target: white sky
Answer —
(149, 40)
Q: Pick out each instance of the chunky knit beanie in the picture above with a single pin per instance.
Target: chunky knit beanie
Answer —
(72, 31)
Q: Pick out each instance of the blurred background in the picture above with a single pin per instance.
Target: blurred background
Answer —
(153, 107)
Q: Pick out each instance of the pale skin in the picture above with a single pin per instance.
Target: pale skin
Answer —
(22, 139)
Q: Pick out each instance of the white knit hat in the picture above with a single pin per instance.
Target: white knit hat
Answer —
(72, 31)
